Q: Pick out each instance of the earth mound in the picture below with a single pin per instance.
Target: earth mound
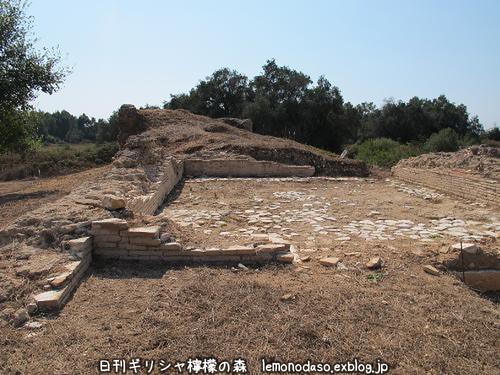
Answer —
(182, 134)
(482, 160)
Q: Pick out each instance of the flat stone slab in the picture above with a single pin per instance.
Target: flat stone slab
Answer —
(273, 248)
(148, 232)
(329, 261)
(50, 300)
(110, 224)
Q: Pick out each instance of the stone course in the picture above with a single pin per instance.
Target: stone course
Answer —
(114, 239)
(244, 168)
(458, 183)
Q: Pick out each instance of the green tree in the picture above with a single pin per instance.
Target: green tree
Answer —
(280, 91)
(24, 72)
(493, 134)
(223, 94)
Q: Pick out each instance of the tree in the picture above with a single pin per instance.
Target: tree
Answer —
(493, 134)
(280, 91)
(24, 72)
(223, 94)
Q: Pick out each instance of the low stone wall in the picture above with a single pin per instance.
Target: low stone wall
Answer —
(147, 204)
(66, 282)
(114, 239)
(244, 168)
(457, 183)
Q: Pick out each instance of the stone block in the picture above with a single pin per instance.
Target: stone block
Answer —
(101, 245)
(375, 263)
(110, 252)
(49, 300)
(112, 202)
(110, 224)
(80, 245)
(61, 279)
(171, 246)
(285, 258)
(239, 250)
(273, 248)
(431, 270)
(135, 247)
(146, 232)
(329, 261)
(98, 239)
(145, 241)
(468, 248)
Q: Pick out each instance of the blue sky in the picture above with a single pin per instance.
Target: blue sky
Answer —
(140, 52)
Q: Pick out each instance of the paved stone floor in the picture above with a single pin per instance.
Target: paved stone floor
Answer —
(317, 211)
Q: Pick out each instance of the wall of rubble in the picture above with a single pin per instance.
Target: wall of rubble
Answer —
(457, 183)
(244, 168)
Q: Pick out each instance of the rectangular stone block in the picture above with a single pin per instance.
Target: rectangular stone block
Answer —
(146, 232)
(285, 257)
(50, 300)
(106, 238)
(100, 245)
(135, 247)
(105, 232)
(110, 224)
(171, 246)
(239, 250)
(144, 241)
(273, 248)
(258, 258)
(217, 259)
(111, 252)
(80, 244)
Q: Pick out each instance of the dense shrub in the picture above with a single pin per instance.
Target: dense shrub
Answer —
(445, 140)
(54, 160)
(383, 152)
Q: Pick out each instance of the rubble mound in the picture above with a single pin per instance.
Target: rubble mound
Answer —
(482, 160)
(182, 134)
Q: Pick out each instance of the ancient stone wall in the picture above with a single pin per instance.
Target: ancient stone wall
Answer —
(114, 239)
(457, 183)
(244, 168)
(147, 204)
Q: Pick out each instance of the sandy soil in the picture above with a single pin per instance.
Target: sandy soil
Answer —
(418, 323)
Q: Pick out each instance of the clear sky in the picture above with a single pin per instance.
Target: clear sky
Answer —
(140, 52)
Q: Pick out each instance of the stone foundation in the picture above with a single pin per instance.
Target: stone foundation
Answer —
(114, 239)
(244, 168)
(147, 204)
(457, 183)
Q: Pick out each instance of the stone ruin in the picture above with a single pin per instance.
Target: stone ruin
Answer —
(110, 218)
(105, 218)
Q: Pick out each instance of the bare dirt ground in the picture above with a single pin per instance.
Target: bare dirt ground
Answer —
(418, 323)
(22, 196)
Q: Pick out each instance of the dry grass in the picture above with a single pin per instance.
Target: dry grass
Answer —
(419, 324)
